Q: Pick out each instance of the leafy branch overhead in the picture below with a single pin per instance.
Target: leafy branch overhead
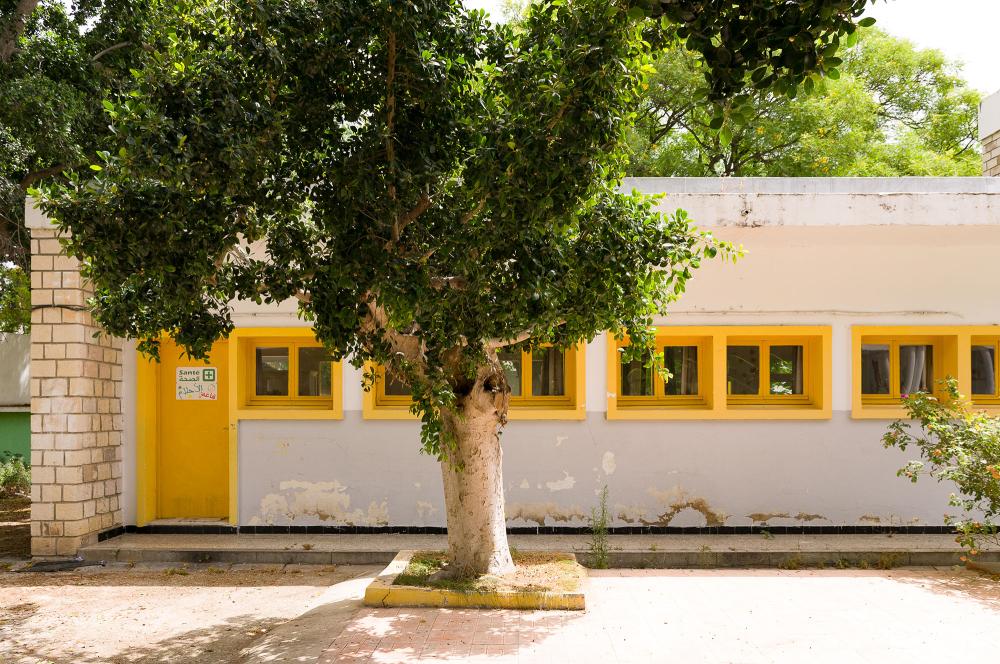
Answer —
(430, 186)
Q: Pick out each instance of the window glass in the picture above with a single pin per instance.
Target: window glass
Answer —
(547, 369)
(315, 367)
(915, 369)
(984, 380)
(743, 369)
(682, 363)
(511, 362)
(875, 369)
(394, 387)
(786, 370)
(272, 372)
(637, 380)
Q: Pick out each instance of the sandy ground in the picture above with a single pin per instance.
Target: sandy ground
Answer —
(163, 613)
(760, 616)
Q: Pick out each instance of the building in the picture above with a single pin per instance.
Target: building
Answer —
(789, 366)
(15, 416)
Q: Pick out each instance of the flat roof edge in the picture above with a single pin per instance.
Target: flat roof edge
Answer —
(813, 185)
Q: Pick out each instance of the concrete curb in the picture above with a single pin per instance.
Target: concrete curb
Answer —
(382, 593)
(788, 559)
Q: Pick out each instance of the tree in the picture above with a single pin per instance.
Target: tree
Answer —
(57, 62)
(893, 110)
(431, 187)
(15, 300)
(957, 444)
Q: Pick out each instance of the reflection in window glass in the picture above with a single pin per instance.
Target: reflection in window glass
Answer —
(511, 362)
(875, 369)
(916, 372)
(682, 363)
(637, 380)
(314, 372)
(272, 372)
(395, 387)
(786, 370)
(984, 380)
(743, 369)
(547, 378)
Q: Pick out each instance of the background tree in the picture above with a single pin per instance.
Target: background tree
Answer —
(58, 60)
(893, 110)
(430, 186)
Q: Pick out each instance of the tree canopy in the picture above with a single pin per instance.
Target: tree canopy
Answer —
(892, 109)
(430, 186)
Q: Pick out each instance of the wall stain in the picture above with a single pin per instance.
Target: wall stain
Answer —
(677, 500)
(539, 512)
(326, 501)
(870, 518)
(803, 516)
(764, 517)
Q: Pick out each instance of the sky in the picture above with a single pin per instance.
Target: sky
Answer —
(964, 30)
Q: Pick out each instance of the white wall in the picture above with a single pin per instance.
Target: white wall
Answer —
(817, 254)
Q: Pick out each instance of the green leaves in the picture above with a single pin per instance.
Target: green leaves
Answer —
(959, 445)
(429, 186)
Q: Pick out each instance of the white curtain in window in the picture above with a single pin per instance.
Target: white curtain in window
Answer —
(913, 369)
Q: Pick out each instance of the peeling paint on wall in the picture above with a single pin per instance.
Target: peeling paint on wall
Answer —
(870, 518)
(326, 501)
(539, 512)
(676, 500)
(764, 517)
(426, 510)
(566, 483)
(525, 484)
(608, 463)
(561, 439)
(630, 513)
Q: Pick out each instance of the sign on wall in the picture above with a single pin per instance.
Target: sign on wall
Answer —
(197, 384)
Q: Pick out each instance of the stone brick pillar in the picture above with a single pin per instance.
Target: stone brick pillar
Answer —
(989, 134)
(76, 415)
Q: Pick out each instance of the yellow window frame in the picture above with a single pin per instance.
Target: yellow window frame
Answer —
(764, 396)
(712, 380)
(248, 405)
(894, 342)
(377, 405)
(660, 398)
(952, 357)
(986, 399)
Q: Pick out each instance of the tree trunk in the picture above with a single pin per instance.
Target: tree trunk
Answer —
(472, 469)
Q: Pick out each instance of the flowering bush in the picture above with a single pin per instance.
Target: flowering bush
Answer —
(960, 445)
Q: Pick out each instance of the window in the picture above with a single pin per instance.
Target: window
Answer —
(760, 371)
(645, 387)
(984, 357)
(726, 372)
(284, 373)
(545, 384)
(893, 367)
(891, 362)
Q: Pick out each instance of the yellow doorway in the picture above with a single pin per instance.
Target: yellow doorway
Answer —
(192, 451)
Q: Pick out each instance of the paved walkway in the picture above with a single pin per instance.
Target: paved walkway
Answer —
(695, 616)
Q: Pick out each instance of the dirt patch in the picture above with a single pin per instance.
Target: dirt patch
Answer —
(534, 572)
(15, 527)
(160, 613)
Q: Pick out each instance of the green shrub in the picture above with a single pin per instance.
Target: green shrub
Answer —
(957, 444)
(599, 521)
(15, 475)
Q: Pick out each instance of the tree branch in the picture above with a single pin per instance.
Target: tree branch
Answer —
(32, 178)
(110, 49)
(408, 218)
(14, 29)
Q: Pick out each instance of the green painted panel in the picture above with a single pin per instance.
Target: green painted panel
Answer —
(15, 434)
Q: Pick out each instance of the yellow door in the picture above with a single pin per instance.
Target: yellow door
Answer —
(193, 450)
